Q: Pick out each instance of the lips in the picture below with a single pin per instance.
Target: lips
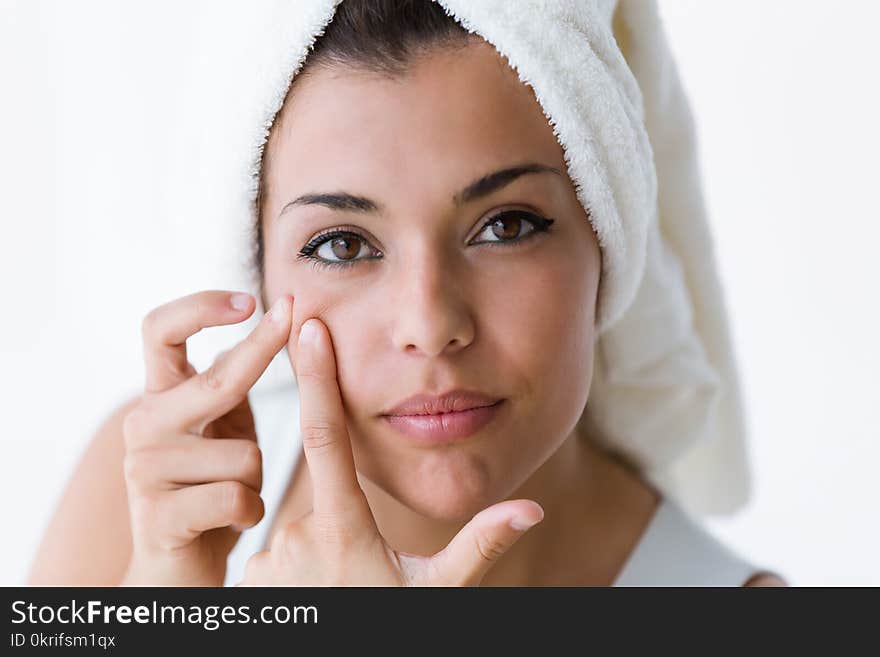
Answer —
(434, 420)
(451, 402)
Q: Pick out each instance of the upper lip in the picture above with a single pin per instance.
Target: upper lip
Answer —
(449, 402)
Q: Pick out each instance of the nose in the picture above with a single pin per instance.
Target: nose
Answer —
(432, 314)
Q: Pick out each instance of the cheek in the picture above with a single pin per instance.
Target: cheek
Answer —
(352, 318)
(544, 331)
(355, 322)
(312, 299)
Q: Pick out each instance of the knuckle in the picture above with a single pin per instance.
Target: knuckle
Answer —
(134, 467)
(213, 378)
(261, 510)
(149, 324)
(143, 466)
(219, 381)
(311, 374)
(332, 533)
(287, 538)
(236, 500)
(253, 513)
(251, 459)
(318, 434)
(134, 426)
(489, 548)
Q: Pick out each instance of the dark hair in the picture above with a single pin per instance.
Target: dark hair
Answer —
(375, 36)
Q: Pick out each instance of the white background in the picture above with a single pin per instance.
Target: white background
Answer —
(786, 101)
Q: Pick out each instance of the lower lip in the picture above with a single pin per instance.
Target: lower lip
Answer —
(444, 427)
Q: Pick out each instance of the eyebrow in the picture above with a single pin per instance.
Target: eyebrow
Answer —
(480, 188)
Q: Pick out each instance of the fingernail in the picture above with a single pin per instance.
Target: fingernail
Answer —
(240, 301)
(276, 314)
(522, 524)
(308, 333)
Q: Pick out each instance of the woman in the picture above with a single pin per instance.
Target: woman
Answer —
(416, 212)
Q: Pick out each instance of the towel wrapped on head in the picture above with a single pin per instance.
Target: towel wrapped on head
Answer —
(665, 393)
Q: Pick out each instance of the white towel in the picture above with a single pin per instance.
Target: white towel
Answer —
(665, 392)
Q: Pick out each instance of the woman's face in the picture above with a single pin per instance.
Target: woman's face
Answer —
(425, 295)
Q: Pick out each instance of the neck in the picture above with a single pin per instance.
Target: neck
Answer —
(595, 510)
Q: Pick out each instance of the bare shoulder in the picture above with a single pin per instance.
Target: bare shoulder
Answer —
(88, 539)
(766, 579)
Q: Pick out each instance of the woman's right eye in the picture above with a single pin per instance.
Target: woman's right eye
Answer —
(336, 248)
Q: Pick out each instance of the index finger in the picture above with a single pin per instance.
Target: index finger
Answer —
(337, 497)
(220, 388)
(166, 329)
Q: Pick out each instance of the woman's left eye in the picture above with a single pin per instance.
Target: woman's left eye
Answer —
(508, 225)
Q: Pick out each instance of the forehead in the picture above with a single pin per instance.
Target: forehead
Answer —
(456, 112)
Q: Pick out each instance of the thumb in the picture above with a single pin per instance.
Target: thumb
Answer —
(482, 541)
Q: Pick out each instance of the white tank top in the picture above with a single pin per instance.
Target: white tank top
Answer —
(673, 550)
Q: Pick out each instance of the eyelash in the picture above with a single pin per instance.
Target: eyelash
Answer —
(540, 225)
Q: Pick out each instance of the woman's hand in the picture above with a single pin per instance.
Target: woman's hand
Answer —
(338, 543)
(193, 469)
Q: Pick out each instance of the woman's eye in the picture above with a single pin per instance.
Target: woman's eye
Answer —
(508, 226)
(342, 248)
(339, 248)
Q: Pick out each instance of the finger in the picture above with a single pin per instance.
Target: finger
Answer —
(482, 541)
(189, 511)
(189, 460)
(336, 493)
(237, 423)
(225, 384)
(166, 328)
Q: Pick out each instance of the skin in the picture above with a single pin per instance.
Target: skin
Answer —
(439, 311)
(436, 311)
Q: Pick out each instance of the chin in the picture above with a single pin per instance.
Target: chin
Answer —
(450, 487)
